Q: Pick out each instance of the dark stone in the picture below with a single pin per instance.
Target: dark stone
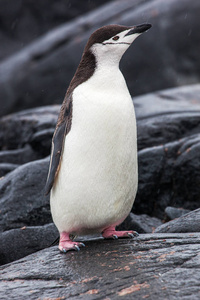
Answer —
(26, 136)
(22, 200)
(6, 168)
(168, 172)
(189, 222)
(25, 20)
(41, 141)
(168, 115)
(140, 223)
(17, 243)
(174, 213)
(169, 175)
(34, 127)
(40, 73)
(169, 142)
(18, 156)
(152, 266)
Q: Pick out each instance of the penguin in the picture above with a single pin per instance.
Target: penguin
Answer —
(93, 171)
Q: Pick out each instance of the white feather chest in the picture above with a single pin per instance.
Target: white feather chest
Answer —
(97, 181)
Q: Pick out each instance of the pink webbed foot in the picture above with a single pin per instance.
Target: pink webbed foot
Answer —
(66, 244)
(111, 233)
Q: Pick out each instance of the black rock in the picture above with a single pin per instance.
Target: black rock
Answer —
(168, 172)
(140, 223)
(168, 115)
(169, 176)
(6, 168)
(22, 200)
(169, 144)
(41, 141)
(17, 243)
(174, 213)
(25, 20)
(40, 73)
(18, 156)
(28, 127)
(152, 266)
(26, 136)
(189, 222)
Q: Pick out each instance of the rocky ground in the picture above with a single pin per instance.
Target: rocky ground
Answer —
(168, 192)
(152, 266)
(163, 262)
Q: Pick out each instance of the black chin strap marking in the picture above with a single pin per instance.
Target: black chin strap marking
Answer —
(116, 43)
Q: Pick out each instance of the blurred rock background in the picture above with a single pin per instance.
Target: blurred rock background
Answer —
(42, 43)
(41, 46)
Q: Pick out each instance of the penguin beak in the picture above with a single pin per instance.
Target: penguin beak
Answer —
(139, 29)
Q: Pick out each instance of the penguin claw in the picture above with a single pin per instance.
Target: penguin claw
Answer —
(131, 235)
(135, 233)
(69, 245)
(72, 247)
(115, 237)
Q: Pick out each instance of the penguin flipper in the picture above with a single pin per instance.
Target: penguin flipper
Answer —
(62, 128)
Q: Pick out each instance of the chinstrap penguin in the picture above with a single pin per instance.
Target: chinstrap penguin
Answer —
(93, 173)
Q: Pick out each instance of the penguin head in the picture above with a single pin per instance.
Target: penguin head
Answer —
(109, 43)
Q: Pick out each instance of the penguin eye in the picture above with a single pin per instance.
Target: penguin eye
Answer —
(115, 38)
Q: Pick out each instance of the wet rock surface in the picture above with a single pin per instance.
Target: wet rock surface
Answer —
(169, 145)
(30, 127)
(160, 265)
(168, 177)
(22, 200)
(167, 116)
(140, 223)
(40, 73)
(20, 242)
(152, 266)
(26, 136)
(189, 222)
(6, 168)
(174, 213)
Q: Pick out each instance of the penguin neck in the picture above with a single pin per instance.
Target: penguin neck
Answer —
(107, 61)
(107, 66)
(107, 75)
(84, 71)
(102, 72)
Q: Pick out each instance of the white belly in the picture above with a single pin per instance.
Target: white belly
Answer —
(97, 181)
